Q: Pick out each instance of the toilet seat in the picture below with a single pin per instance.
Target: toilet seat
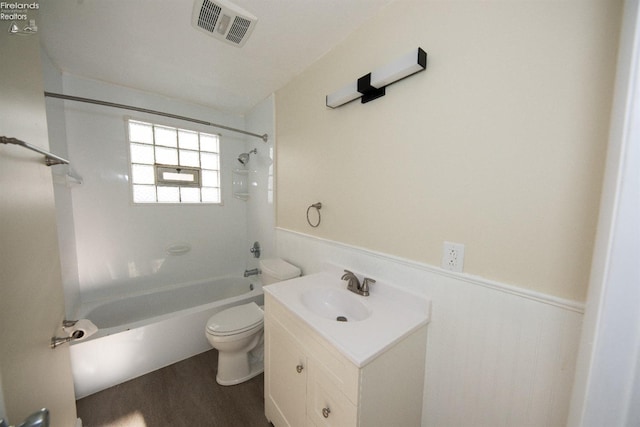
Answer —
(236, 320)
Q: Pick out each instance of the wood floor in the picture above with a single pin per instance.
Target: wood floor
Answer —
(183, 394)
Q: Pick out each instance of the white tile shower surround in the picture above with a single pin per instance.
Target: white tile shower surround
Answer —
(497, 355)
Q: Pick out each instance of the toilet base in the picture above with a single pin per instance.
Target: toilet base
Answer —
(255, 369)
(237, 368)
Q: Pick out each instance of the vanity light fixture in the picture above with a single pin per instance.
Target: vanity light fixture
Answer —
(372, 86)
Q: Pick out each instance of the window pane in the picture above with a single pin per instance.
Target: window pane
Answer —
(142, 174)
(171, 165)
(188, 139)
(166, 136)
(189, 195)
(166, 156)
(209, 143)
(210, 178)
(209, 161)
(168, 194)
(189, 158)
(179, 177)
(211, 195)
(140, 132)
(142, 154)
(144, 193)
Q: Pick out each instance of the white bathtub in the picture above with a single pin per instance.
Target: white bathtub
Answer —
(141, 333)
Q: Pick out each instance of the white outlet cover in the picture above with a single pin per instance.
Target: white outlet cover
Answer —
(453, 256)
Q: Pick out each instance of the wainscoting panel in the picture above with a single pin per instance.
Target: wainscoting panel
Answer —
(497, 355)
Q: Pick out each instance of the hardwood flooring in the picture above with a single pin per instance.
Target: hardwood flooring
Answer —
(183, 394)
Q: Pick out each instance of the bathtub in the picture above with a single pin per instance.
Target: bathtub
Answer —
(140, 333)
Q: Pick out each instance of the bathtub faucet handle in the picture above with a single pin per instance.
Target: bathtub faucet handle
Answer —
(255, 250)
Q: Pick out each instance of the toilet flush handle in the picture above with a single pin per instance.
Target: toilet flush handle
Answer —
(299, 368)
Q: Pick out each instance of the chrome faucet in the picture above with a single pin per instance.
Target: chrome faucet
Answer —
(353, 284)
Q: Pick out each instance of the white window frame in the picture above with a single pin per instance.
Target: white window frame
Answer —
(197, 172)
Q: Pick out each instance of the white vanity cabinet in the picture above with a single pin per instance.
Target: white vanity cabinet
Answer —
(309, 382)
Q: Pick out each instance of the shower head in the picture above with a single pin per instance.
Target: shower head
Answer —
(244, 157)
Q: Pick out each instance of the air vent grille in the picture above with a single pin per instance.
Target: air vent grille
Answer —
(208, 16)
(223, 20)
(238, 29)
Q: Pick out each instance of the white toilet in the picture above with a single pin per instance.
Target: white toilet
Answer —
(237, 332)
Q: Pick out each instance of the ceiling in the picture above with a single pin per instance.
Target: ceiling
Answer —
(150, 45)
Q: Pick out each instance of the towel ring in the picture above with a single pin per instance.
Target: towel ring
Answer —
(317, 206)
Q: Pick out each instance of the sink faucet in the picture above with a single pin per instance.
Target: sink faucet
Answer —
(353, 284)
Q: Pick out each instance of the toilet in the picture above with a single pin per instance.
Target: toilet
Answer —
(238, 332)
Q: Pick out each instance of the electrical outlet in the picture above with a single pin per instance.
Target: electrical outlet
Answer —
(453, 256)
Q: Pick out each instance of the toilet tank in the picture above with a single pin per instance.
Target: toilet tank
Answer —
(276, 270)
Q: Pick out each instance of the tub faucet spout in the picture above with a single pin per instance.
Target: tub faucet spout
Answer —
(253, 272)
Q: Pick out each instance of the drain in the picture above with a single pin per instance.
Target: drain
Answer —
(341, 319)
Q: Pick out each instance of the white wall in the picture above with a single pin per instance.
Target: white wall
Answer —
(607, 387)
(497, 356)
(121, 246)
(32, 376)
(499, 144)
(63, 186)
(260, 206)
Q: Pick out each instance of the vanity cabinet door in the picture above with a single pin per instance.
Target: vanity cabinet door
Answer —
(327, 406)
(286, 377)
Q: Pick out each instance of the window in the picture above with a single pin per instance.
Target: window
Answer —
(172, 165)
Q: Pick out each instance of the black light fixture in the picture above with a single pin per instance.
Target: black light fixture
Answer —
(372, 86)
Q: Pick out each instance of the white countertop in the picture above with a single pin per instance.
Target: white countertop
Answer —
(394, 314)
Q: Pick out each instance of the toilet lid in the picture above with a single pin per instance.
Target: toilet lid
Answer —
(235, 319)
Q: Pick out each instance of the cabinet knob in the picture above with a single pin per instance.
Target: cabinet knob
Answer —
(326, 412)
(299, 368)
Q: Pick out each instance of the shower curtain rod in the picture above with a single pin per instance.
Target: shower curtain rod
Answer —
(264, 137)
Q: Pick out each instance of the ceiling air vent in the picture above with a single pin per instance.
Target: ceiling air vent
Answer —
(223, 20)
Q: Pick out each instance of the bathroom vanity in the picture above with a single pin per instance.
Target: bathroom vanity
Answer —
(366, 371)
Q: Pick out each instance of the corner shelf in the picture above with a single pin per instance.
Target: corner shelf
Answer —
(240, 184)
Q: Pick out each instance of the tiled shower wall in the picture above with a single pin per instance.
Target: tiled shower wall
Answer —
(113, 247)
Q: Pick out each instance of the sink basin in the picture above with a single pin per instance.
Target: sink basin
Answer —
(335, 304)
(374, 323)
